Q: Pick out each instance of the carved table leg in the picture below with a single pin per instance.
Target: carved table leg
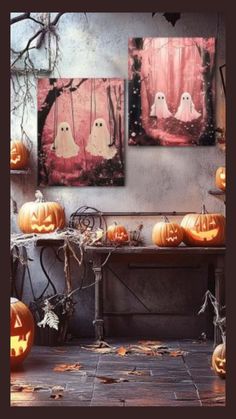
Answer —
(219, 294)
(98, 317)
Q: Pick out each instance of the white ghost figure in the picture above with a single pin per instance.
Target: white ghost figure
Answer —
(99, 139)
(160, 107)
(64, 144)
(186, 111)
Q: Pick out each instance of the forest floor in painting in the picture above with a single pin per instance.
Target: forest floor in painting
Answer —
(72, 375)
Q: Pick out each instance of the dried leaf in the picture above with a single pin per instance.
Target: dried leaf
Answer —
(176, 353)
(134, 371)
(122, 351)
(111, 380)
(67, 367)
(149, 342)
(26, 388)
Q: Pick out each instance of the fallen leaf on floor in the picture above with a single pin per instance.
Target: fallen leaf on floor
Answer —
(67, 367)
(134, 371)
(111, 380)
(26, 388)
(100, 350)
(56, 392)
(150, 342)
(122, 351)
(98, 344)
(176, 353)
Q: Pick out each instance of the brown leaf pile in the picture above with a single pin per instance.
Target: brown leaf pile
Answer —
(67, 367)
(26, 388)
(110, 380)
(148, 347)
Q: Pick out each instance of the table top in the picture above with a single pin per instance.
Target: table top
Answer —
(155, 250)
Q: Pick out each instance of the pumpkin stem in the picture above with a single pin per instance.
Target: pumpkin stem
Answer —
(204, 210)
(166, 219)
(39, 196)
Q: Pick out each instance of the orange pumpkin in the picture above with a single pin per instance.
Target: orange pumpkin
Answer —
(22, 332)
(19, 156)
(41, 216)
(204, 229)
(221, 178)
(117, 233)
(167, 234)
(219, 360)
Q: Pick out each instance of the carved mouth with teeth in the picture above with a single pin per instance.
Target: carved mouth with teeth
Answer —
(43, 227)
(172, 239)
(19, 344)
(14, 161)
(205, 235)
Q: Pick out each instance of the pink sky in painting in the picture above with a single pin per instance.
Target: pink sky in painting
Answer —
(90, 102)
(171, 66)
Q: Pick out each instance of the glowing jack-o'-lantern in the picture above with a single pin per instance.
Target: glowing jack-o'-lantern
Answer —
(204, 229)
(167, 234)
(41, 216)
(221, 178)
(22, 332)
(117, 233)
(219, 360)
(19, 155)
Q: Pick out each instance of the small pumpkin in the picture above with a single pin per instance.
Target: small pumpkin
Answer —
(22, 332)
(19, 155)
(219, 360)
(220, 178)
(41, 216)
(167, 234)
(117, 233)
(204, 229)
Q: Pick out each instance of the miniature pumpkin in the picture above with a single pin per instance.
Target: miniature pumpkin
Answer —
(41, 216)
(167, 234)
(204, 229)
(19, 155)
(219, 360)
(117, 233)
(221, 178)
(22, 332)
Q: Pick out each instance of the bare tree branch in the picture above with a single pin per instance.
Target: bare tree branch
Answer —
(19, 18)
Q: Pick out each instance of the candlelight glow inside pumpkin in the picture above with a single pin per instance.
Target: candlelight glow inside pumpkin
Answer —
(40, 216)
(219, 360)
(167, 234)
(22, 332)
(221, 178)
(19, 155)
(204, 229)
(117, 233)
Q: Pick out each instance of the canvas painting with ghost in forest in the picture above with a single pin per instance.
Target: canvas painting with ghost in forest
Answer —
(81, 132)
(172, 91)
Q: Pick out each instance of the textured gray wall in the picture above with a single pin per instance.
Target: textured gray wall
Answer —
(157, 179)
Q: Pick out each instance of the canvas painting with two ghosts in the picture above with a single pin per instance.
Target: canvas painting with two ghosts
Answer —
(81, 132)
(171, 103)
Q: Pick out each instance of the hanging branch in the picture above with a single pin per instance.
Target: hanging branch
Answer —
(218, 321)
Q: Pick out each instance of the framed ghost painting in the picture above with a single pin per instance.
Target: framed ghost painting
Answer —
(80, 132)
(172, 91)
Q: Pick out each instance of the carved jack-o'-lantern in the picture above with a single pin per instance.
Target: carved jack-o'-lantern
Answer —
(204, 229)
(19, 155)
(22, 332)
(117, 233)
(41, 216)
(167, 234)
(219, 360)
(221, 178)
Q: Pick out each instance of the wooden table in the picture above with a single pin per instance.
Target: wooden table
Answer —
(98, 256)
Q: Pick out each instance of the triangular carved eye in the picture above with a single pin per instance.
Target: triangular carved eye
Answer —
(18, 322)
(212, 223)
(48, 219)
